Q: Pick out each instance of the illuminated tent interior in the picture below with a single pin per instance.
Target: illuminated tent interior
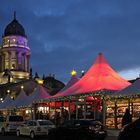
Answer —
(100, 76)
(126, 98)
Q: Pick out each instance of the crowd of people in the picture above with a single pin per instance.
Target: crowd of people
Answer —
(57, 116)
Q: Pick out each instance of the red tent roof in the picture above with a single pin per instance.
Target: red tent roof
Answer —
(100, 76)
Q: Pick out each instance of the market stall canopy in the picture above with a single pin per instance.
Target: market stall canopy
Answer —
(71, 82)
(39, 93)
(7, 101)
(99, 77)
(21, 98)
(133, 89)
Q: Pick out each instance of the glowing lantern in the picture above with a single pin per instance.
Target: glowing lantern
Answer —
(73, 72)
(39, 81)
(22, 87)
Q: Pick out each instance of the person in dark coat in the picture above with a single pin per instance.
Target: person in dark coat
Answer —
(127, 118)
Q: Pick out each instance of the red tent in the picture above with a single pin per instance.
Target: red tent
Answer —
(99, 77)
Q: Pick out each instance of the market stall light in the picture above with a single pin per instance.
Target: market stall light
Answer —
(22, 87)
(79, 106)
(40, 108)
(12, 97)
(27, 111)
(81, 100)
(40, 81)
(8, 91)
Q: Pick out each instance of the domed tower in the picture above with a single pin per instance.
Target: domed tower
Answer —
(14, 53)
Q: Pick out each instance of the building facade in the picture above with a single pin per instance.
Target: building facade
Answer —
(14, 53)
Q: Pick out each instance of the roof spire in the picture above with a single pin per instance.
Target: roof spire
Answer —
(14, 15)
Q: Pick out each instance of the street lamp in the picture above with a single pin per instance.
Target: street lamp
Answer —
(8, 91)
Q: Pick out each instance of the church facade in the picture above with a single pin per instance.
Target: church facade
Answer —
(14, 54)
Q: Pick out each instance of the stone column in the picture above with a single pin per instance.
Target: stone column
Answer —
(26, 63)
(28, 67)
(17, 63)
(13, 59)
(19, 59)
(6, 60)
(2, 60)
(9, 60)
(23, 61)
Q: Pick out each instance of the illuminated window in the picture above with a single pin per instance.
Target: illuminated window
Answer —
(14, 40)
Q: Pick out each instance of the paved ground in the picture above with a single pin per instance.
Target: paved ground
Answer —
(111, 138)
(13, 137)
(112, 135)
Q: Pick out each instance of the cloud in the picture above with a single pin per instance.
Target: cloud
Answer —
(69, 34)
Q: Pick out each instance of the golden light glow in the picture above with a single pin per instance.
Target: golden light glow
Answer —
(27, 111)
(8, 91)
(39, 81)
(22, 87)
(12, 97)
(73, 72)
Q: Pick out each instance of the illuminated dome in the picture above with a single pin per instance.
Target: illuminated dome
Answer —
(14, 28)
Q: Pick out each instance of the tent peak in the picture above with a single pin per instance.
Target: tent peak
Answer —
(100, 59)
(100, 53)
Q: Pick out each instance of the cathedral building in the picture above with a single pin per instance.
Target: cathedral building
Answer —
(15, 69)
(14, 53)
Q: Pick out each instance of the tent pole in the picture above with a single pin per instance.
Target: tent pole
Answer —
(94, 105)
(104, 110)
(55, 113)
(33, 108)
(115, 116)
(76, 108)
(69, 109)
(132, 107)
(84, 108)
(31, 113)
(49, 106)
(129, 104)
